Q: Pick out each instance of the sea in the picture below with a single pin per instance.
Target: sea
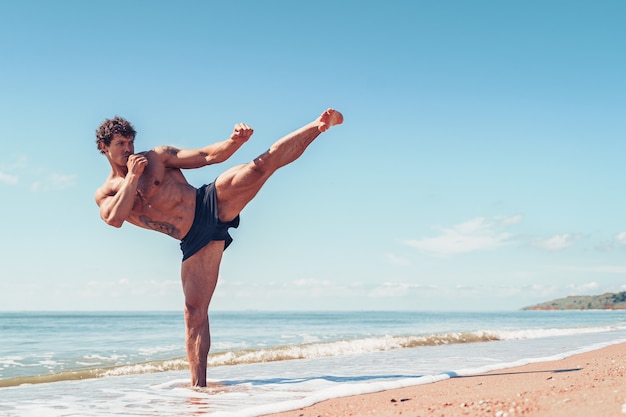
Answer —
(134, 363)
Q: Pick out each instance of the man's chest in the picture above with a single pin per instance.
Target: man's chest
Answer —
(151, 181)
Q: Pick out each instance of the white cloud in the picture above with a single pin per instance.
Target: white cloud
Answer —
(124, 287)
(473, 235)
(311, 283)
(54, 182)
(397, 289)
(19, 162)
(510, 220)
(7, 171)
(397, 260)
(584, 288)
(298, 288)
(8, 178)
(524, 293)
(603, 269)
(557, 242)
(621, 238)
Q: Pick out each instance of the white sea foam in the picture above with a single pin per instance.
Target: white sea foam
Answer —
(143, 368)
(229, 345)
(319, 392)
(157, 349)
(110, 358)
(254, 389)
(332, 354)
(111, 366)
(12, 360)
(536, 333)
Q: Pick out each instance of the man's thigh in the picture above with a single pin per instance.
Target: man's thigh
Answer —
(199, 274)
(236, 187)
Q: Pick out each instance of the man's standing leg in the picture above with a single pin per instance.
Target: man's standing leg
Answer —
(199, 276)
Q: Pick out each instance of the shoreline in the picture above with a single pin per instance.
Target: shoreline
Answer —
(581, 385)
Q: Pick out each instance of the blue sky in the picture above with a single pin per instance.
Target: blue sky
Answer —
(480, 166)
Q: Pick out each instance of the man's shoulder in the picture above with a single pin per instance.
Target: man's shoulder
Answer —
(160, 153)
(108, 188)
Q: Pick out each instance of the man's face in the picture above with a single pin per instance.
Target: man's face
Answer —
(120, 149)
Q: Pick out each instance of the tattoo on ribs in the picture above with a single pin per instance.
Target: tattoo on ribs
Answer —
(167, 228)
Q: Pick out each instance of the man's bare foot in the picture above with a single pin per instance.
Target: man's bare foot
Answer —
(329, 118)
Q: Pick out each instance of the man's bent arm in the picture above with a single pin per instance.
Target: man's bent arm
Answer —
(115, 209)
(211, 154)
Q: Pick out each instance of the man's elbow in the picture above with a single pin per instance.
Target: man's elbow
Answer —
(112, 221)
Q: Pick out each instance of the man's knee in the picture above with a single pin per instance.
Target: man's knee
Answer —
(262, 166)
(196, 315)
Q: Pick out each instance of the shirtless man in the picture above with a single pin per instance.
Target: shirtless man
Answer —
(149, 190)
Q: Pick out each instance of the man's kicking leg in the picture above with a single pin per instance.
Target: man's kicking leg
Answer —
(237, 186)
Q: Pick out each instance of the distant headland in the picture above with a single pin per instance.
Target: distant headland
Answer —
(606, 301)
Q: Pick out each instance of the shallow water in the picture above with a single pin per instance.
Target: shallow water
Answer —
(252, 368)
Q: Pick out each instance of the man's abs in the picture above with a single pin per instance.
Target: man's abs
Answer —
(167, 207)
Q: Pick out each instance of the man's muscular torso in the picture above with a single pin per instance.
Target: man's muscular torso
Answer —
(164, 200)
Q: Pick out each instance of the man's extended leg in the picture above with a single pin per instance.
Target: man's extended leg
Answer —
(235, 188)
(238, 186)
(199, 275)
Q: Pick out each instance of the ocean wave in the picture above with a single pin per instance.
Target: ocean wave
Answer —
(538, 333)
(303, 351)
(343, 347)
(279, 353)
(73, 375)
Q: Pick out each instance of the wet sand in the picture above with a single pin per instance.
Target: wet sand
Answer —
(591, 384)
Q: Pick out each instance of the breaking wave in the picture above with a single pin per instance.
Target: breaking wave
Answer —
(301, 351)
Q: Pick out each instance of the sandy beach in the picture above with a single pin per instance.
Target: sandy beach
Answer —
(591, 384)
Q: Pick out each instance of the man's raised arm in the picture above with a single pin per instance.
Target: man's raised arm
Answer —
(211, 154)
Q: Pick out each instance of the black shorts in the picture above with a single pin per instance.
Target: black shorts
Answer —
(206, 226)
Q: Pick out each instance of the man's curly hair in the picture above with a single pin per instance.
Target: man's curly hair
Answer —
(108, 128)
